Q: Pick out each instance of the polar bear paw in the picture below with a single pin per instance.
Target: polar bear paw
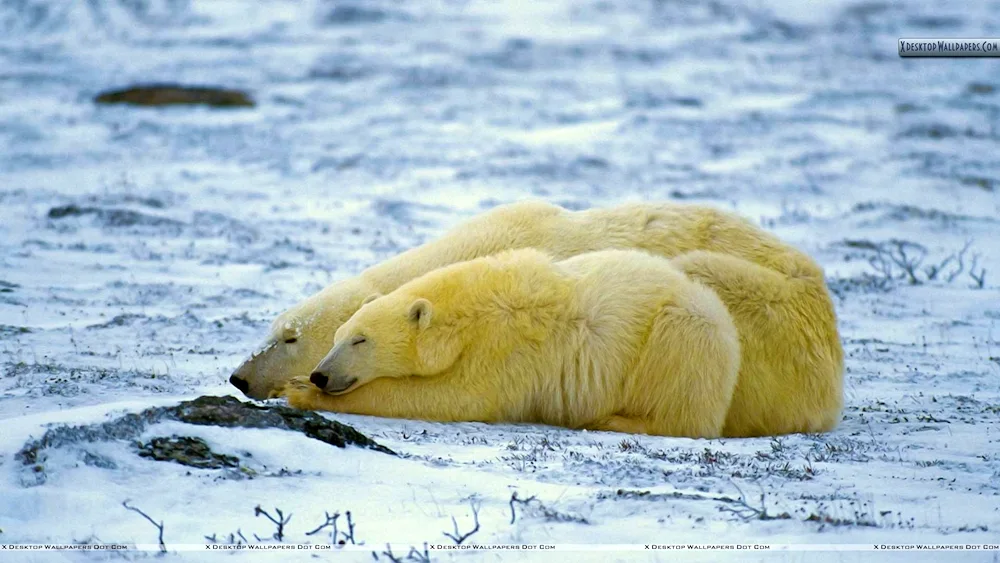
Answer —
(302, 393)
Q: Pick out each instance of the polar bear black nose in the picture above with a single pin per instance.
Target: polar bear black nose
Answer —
(241, 384)
(319, 380)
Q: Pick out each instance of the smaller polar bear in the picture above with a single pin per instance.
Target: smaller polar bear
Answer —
(616, 340)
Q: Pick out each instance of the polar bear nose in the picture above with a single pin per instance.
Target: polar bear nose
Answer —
(319, 380)
(241, 384)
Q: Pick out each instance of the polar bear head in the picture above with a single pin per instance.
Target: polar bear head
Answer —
(299, 338)
(397, 335)
(478, 310)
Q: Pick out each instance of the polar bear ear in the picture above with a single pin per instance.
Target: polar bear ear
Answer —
(420, 312)
(370, 298)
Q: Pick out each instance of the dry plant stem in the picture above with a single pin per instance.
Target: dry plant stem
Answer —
(280, 521)
(458, 537)
(159, 526)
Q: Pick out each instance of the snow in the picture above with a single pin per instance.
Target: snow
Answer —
(381, 124)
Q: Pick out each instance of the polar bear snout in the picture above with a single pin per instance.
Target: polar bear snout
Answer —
(335, 384)
(242, 384)
(332, 374)
(319, 380)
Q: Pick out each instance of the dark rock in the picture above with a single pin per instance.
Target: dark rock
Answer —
(126, 319)
(345, 14)
(935, 22)
(227, 412)
(174, 94)
(231, 412)
(96, 460)
(113, 218)
(69, 211)
(185, 450)
(695, 194)
(981, 88)
(13, 330)
(889, 211)
(988, 184)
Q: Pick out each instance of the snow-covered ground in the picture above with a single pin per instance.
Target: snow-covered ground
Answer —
(380, 124)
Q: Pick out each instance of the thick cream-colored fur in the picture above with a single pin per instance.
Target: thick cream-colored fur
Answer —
(791, 366)
(796, 302)
(611, 340)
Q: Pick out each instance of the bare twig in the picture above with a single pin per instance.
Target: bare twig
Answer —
(906, 255)
(960, 257)
(513, 499)
(909, 264)
(979, 278)
(335, 536)
(933, 270)
(420, 557)
(388, 553)
(232, 539)
(280, 521)
(896, 259)
(349, 535)
(882, 266)
(550, 514)
(413, 555)
(458, 537)
(330, 521)
(745, 512)
(159, 526)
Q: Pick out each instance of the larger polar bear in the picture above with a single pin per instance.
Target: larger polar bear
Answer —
(782, 291)
(615, 340)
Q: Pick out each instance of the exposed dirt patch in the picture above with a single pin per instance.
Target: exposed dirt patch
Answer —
(173, 95)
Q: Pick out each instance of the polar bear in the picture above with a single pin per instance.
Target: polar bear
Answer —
(613, 340)
(302, 336)
(790, 370)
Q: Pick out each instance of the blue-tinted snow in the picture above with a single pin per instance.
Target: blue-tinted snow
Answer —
(379, 125)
